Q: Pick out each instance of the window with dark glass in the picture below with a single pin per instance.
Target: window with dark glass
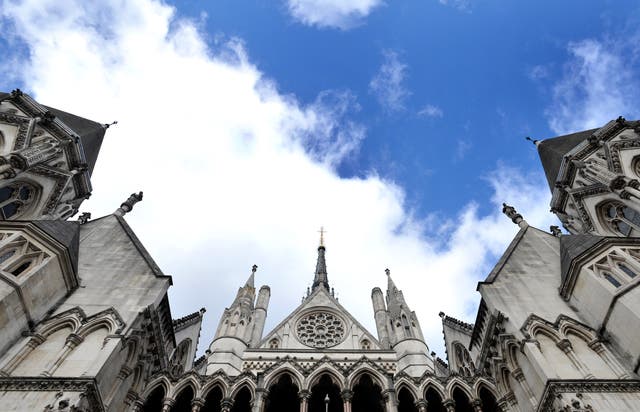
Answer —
(626, 270)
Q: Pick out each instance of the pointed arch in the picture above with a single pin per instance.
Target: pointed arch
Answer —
(242, 383)
(161, 380)
(188, 380)
(354, 377)
(211, 385)
(456, 382)
(403, 382)
(71, 320)
(325, 369)
(431, 383)
(296, 377)
(482, 382)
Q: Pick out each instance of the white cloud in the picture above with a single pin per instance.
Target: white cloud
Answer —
(462, 5)
(431, 110)
(599, 84)
(236, 173)
(341, 14)
(388, 82)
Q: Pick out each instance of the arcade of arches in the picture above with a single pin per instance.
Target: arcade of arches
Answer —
(325, 395)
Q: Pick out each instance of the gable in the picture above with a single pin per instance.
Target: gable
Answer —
(319, 323)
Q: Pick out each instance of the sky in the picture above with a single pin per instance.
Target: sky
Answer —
(397, 126)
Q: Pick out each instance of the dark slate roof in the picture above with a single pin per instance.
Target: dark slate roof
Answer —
(552, 151)
(572, 246)
(65, 232)
(91, 134)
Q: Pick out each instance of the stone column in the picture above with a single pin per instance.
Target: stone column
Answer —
(421, 405)
(226, 404)
(167, 404)
(125, 371)
(137, 406)
(73, 340)
(449, 405)
(389, 396)
(477, 405)
(261, 397)
(197, 404)
(347, 396)
(304, 396)
(519, 376)
(33, 343)
(608, 358)
(565, 346)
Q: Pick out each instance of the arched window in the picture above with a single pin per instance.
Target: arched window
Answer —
(615, 282)
(15, 198)
(620, 218)
(273, 343)
(21, 268)
(365, 344)
(18, 255)
(626, 270)
(407, 327)
(6, 255)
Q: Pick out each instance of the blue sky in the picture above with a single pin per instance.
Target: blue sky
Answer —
(399, 126)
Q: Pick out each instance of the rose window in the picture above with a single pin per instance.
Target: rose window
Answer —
(320, 330)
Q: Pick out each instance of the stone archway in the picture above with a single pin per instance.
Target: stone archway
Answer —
(462, 402)
(325, 387)
(183, 400)
(242, 401)
(367, 396)
(213, 400)
(283, 396)
(489, 403)
(434, 401)
(406, 402)
(154, 400)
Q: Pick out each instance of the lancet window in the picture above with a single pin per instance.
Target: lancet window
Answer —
(463, 360)
(15, 199)
(619, 267)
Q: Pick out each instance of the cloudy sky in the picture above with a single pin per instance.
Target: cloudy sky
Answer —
(399, 126)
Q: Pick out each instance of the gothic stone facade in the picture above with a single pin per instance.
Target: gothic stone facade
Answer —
(87, 326)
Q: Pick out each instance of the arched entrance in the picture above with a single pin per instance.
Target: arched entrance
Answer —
(406, 402)
(367, 396)
(154, 400)
(213, 400)
(283, 396)
(489, 403)
(434, 401)
(183, 400)
(242, 401)
(462, 401)
(325, 387)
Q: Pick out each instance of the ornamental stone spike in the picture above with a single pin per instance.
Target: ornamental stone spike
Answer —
(515, 217)
(128, 204)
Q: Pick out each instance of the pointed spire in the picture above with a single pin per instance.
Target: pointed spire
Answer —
(391, 287)
(251, 280)
(321, 279)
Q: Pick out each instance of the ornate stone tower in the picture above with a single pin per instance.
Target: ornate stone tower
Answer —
(46, 159)
(593, 176)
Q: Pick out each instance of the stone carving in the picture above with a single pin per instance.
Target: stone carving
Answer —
(320, 330)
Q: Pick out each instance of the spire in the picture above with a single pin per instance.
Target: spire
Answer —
(391, 287)
(395, 298)
(252, 277)
(321, 278)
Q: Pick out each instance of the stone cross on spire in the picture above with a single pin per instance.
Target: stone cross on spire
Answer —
(321, 279)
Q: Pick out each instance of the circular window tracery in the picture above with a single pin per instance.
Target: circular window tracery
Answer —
(320, 330)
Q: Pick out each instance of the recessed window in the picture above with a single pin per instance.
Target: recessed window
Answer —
(6, 255)
(14, 198)
(21, 268)
(626, 270)
(611, 279)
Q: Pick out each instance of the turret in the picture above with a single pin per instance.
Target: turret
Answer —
(405, 334)
(381, 317)
(260, 315)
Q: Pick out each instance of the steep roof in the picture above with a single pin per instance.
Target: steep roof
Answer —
(91, 134)
(553, 150)
(572, 246)
(65, 232)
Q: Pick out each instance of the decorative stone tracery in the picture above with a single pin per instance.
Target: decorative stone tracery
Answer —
(320, 330)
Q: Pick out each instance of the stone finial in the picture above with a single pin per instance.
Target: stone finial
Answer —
(108, 125)
(555, 231)
(515, 217)
(84, 218)
(254, 268)
(387, 271)
(128, 204)
(534, 141)
(441, 314)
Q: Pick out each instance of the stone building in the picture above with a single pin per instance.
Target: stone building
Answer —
(87, 326)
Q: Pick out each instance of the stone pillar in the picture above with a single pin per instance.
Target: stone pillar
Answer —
(519, 376)
(125, 371)
(421, 405)
(347, 396)
(261, 397)
(137, 406)
(33, 342)
(73, 340)
(167, 404)
(389, 396)
(449, 405)
(609, 359)
(304, 396)
(565, 346)
(477, 405)
(197, 404)
(226, 404)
